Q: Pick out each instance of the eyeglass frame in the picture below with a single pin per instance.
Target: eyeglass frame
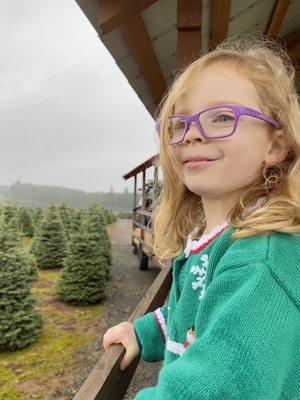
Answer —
(238, 111)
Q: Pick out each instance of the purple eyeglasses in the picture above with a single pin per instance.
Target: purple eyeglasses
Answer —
(213, 123)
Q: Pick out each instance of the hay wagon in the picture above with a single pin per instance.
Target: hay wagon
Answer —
(142, 230)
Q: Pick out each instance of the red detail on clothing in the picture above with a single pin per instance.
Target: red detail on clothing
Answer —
(205, 244)
(160, 327)
(186, 344)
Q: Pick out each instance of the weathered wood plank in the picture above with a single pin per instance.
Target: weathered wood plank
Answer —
(189, 15)
(136, 35)
(114, 13)
(219, 21)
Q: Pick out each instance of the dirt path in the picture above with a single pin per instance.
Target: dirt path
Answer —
(126, 288)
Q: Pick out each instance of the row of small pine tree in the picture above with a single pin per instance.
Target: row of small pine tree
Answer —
(74, 240)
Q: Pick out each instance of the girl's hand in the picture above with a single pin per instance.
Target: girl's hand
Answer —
(123, 333)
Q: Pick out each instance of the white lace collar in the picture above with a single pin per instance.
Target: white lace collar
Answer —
(193, 244)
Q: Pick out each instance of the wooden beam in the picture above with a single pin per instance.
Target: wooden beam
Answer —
(277, 17)
(138, 40)
(189, 15)
(292, 42)
(146, 164)
(143, 199)
(135, 192)
(219, 21)
(294, 53)
(114, 13)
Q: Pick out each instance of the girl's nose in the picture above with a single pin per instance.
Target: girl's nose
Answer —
(193, 133)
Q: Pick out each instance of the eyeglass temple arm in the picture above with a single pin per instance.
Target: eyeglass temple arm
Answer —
(157, 127)
(265, 118)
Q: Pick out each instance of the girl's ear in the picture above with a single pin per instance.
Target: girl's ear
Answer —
(279, 148)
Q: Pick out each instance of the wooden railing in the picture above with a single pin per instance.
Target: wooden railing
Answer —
(142, 212)
(143, 226)
(107, 381)
(141, 218)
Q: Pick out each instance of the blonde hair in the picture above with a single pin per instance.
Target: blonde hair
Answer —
(177, 211)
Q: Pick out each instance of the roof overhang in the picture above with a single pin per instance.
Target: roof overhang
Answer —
(142, 167)
(151, 40)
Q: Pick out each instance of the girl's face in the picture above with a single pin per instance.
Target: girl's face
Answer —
(239, 157)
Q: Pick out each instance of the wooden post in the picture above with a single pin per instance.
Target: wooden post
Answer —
(219, 21)
(134, 201)
(189, 14)
(143, 202)
(135, 193)
(144, 190)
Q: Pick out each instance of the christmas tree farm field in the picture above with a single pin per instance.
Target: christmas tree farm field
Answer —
(50, 367)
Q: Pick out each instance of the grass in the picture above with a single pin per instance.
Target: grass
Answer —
(37, 371)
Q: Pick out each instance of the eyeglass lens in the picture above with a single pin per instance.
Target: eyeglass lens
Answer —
(215, 122)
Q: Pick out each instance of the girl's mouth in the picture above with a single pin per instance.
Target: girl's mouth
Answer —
(193, 164)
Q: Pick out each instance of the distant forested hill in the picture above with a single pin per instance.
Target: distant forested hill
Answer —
(41, 195)
(4, 189)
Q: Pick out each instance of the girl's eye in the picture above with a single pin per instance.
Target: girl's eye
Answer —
(178, 125)
(223, 118)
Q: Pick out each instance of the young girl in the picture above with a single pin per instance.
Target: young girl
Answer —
(229, 214)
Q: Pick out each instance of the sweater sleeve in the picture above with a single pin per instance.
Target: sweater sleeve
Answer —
(138, 340)
(245, 342)
(151, 334)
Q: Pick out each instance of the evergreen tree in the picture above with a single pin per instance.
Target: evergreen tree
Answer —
(109, 216)
(96, 224)
(83, 278)
(50, 246)
(9, 235)
(31, 212)
(34, 245)
(19, 323)
(35, 241)
(72, 211)
(10, 238)
(113, 217)
(66, 218)
(32, 267)
(25, 221)
(37, 216)
(77, 220)
(9, 212)
(103, 212)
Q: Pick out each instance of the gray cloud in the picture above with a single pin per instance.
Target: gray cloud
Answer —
(68, 115)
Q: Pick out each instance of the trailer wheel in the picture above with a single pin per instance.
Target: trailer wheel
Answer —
(143, 259)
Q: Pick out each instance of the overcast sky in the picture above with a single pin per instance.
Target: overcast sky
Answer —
(68, 115)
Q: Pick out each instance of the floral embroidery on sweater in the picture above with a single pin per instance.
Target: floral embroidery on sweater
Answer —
(190, 337)
(201, 272)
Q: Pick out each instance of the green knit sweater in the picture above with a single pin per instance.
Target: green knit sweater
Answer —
(231, 328)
